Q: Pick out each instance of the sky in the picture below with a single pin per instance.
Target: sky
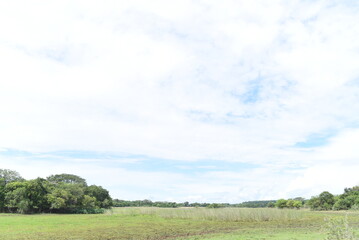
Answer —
(183, 100)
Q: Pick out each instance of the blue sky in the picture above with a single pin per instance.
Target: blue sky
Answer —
(183, 100)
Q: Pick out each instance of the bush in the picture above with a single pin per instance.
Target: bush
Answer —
(89, 211)
(214, 205)
(338, 229)
(281, 203)
(325, 201)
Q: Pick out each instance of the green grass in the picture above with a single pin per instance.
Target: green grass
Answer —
(179, 224)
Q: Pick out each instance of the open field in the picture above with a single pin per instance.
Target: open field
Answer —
(183, 224)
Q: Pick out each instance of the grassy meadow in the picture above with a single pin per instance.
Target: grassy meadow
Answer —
(179, 224)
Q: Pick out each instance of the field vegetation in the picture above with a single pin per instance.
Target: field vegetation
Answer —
(179, 224)
(39, 209)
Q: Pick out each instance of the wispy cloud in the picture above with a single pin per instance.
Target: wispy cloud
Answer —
(193, 83)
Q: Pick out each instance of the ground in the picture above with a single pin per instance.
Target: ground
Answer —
(173, 224)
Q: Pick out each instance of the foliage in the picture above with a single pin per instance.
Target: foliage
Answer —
(255, 204)
(325, 201)
(214, 205)
(63, 193)
(281, 203)
(66, 178)
(290, 203)
(338, 229)
(8, 176)
(294, 204)
(169, 223)
(348, 199)
(149, 203)
(217, 214)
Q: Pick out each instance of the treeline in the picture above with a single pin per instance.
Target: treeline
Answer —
(256, 204)
(60, 193)
(162, 204)
(349, 200)
(288, 203)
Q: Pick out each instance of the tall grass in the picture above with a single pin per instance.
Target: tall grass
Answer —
(219, 214)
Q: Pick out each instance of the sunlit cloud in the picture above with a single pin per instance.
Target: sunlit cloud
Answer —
(200, 84)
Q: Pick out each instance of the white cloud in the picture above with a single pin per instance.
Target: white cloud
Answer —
(231, 81)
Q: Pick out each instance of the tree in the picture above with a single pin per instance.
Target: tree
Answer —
(297, 204)
(281, 203)
(10, 176)
(27, 196)
(58, 198)
(67, 178)
(65, 193)
(2, 194)
(102, 196)
(348, 199)
(15, 197)
(324, 201)
(89, 202)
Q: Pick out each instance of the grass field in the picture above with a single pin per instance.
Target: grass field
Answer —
(179, 224)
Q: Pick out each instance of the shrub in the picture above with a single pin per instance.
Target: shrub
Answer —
(338, 229)
(281, 203)
(214, 205)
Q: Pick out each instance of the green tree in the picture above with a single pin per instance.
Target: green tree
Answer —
(58, 198)
(10, 176)
(27, 196)
(89, 202)
(2, 194)
(297, 204)
(15, 197)
(281, 203)
(102, 196)
(67, 178)
(325, 201)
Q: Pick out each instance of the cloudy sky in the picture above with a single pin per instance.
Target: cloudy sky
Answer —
(183, 100)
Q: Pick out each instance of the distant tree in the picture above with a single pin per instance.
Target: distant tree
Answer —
(301, 199)
(10, 176)
(281, 203)
(348, 200)
(67, 178)
(254, 204)
(271, 205)
(294, 204)
(58, 198)
(290, 203)
(2, 194)
(101, 195)
(324, 201)
(214, 205)
(89, 202)
(27, 196)
(15, 197)
(297, 204)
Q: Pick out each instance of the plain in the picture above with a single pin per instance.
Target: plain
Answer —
(180, 223)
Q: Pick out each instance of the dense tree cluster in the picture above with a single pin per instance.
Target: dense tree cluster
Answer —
(256, 204)
(327, 201)
(61, 193)
(149, 203)
(290, 203)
